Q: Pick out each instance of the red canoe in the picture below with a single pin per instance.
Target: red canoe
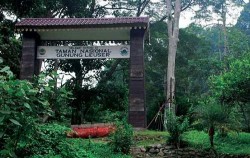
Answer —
(93, 130)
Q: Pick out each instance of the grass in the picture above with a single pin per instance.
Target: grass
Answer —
(197, 139)
(232, 144)
(95, 149)
(149, 137)
(141, 138)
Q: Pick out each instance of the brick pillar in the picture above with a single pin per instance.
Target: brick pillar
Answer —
(29, 64)
(137, 110)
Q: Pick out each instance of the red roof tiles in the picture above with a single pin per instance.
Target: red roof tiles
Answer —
(83, 22)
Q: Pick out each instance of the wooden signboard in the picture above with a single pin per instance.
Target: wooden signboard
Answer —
(83, 52)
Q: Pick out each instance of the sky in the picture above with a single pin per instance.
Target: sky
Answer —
(187, 17)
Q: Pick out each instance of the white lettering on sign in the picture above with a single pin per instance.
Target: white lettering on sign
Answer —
(83, 52)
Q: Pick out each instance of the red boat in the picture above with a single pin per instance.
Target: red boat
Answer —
(91, 130)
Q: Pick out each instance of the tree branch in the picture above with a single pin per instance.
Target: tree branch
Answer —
(182, 9)
(93, 4)
(119, 8)
(144, 5)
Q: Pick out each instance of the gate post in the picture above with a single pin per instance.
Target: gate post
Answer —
(137, 109)
(29, 64)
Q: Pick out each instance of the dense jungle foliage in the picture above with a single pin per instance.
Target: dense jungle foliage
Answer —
(212, 81)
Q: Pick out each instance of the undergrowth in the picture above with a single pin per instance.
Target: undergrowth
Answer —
(234, 143)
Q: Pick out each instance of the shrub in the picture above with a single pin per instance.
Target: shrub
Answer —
(19, 108)
(51, 141)
(122, 138)
(48, 137)
(176, 128)
(22, 105)
(70, 149)
(110, 116)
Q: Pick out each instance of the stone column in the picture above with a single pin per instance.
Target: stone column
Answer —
(137, 110)
(29, 64)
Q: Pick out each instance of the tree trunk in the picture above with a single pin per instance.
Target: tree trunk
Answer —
(55, 108)
(245, 117)
(76, 104)
(173, 33)
(211, 135)
(223, 16)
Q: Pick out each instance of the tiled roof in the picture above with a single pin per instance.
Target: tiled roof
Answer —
(83, 22)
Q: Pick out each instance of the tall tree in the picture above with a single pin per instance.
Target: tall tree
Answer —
(243, 23)
(221, 8)
(10, 47)
(232, 87)
(173, 38)
(193, 66)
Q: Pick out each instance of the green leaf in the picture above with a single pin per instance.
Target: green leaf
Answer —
(6, 68)
(20, 93)
(15, 122)
(33, 91)
(44, 103)
(5, 112)
(27, 106)
(1, 134)
(1, 119)
(12, 154)
(10, 74)
(47, 88)
(6, 87)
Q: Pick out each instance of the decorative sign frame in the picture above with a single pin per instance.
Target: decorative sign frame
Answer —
(83, 52)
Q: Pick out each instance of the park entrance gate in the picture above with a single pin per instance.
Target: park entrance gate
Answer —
(129, 29)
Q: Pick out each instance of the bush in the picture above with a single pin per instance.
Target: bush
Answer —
(70, 149)
(176, 128)
(122, 138)
(48, 137)
(22, 105)
(110, 116)
(51, 141)
(19, 110)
